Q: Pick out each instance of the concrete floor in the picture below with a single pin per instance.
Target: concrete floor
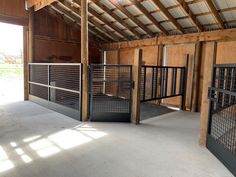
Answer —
(36, 142)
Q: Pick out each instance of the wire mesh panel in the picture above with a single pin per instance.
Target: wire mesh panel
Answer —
(110, 92)
(222, 118)
(57, 86)
(159, 82)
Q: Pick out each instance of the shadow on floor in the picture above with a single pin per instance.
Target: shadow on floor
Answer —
(150, 110)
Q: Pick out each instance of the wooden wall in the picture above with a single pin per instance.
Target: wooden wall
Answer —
(13, 11)
(56, 41)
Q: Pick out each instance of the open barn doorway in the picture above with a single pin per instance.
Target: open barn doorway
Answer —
(11, 63)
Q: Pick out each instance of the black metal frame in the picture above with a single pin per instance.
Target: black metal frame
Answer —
(46, 102)
(109, 115)
(221, 138)
(162, 82)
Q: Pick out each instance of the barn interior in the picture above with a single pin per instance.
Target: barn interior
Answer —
(122, 88)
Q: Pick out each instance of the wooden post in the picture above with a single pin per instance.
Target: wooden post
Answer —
(137, 69)
(25, 59)
(31, 35)
(183, 100)
(209, 58)
(196, 76)
(84, 57)
(159, 63)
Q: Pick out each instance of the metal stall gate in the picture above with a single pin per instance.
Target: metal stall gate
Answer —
(110, 90)
(160, 82)
(57, 87)
(221, 139)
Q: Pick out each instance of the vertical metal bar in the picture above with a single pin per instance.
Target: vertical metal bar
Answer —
(181, 87)
(153, 75)
(173, 83)
(144, 83)
(49, 83)
(80, 91)
(166, 81)
(156, 83)
(162, 82)
(29, 77)
(91, 90)
(211, 105)
(131, 89)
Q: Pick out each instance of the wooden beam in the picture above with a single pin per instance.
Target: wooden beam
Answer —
(209, 58)
(78, 20)
(39, 4)
(192, 17)
(129, 15)
(25, 60)
(215, 13)
(111, 25)
(168, 15)
(77, 11)
(149, 16)
(116, 17)
(196, 76)
(84, 57)
(31, 35)
(218, 35)
(137, 68)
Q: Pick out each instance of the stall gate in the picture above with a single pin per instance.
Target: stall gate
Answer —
(221, 139)
(110, 90)
(57, 87)
(160, 82)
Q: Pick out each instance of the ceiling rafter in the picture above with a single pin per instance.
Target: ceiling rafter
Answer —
(215, 13)
(62, 16)
(77, 19)
(116, 17)
(128, 14)
(105, 21)
(149, 16)
(111, 25)
(168, 15)
(192, 17)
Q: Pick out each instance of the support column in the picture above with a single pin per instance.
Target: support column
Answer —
(84, 57)
(25, 59)
(31, 35)
(196, 76)
(137, 69)
(209, 58)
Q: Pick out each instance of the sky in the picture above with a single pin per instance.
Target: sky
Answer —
(11, 39)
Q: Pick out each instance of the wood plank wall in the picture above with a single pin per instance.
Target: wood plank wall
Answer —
(13, 11)
(56, 41)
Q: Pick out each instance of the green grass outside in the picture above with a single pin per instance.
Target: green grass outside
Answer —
(11, 70)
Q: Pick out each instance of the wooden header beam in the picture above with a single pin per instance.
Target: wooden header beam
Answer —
(219, 35)
(39, 4)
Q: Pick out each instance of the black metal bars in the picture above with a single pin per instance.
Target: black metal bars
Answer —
(160, 82)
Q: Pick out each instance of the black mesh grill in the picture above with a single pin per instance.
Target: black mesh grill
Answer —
(110, 88)
(56, 83)
(39, 91)
(38, 74)
(223, 107)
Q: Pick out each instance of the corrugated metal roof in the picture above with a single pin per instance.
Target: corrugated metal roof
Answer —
(199, 9)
